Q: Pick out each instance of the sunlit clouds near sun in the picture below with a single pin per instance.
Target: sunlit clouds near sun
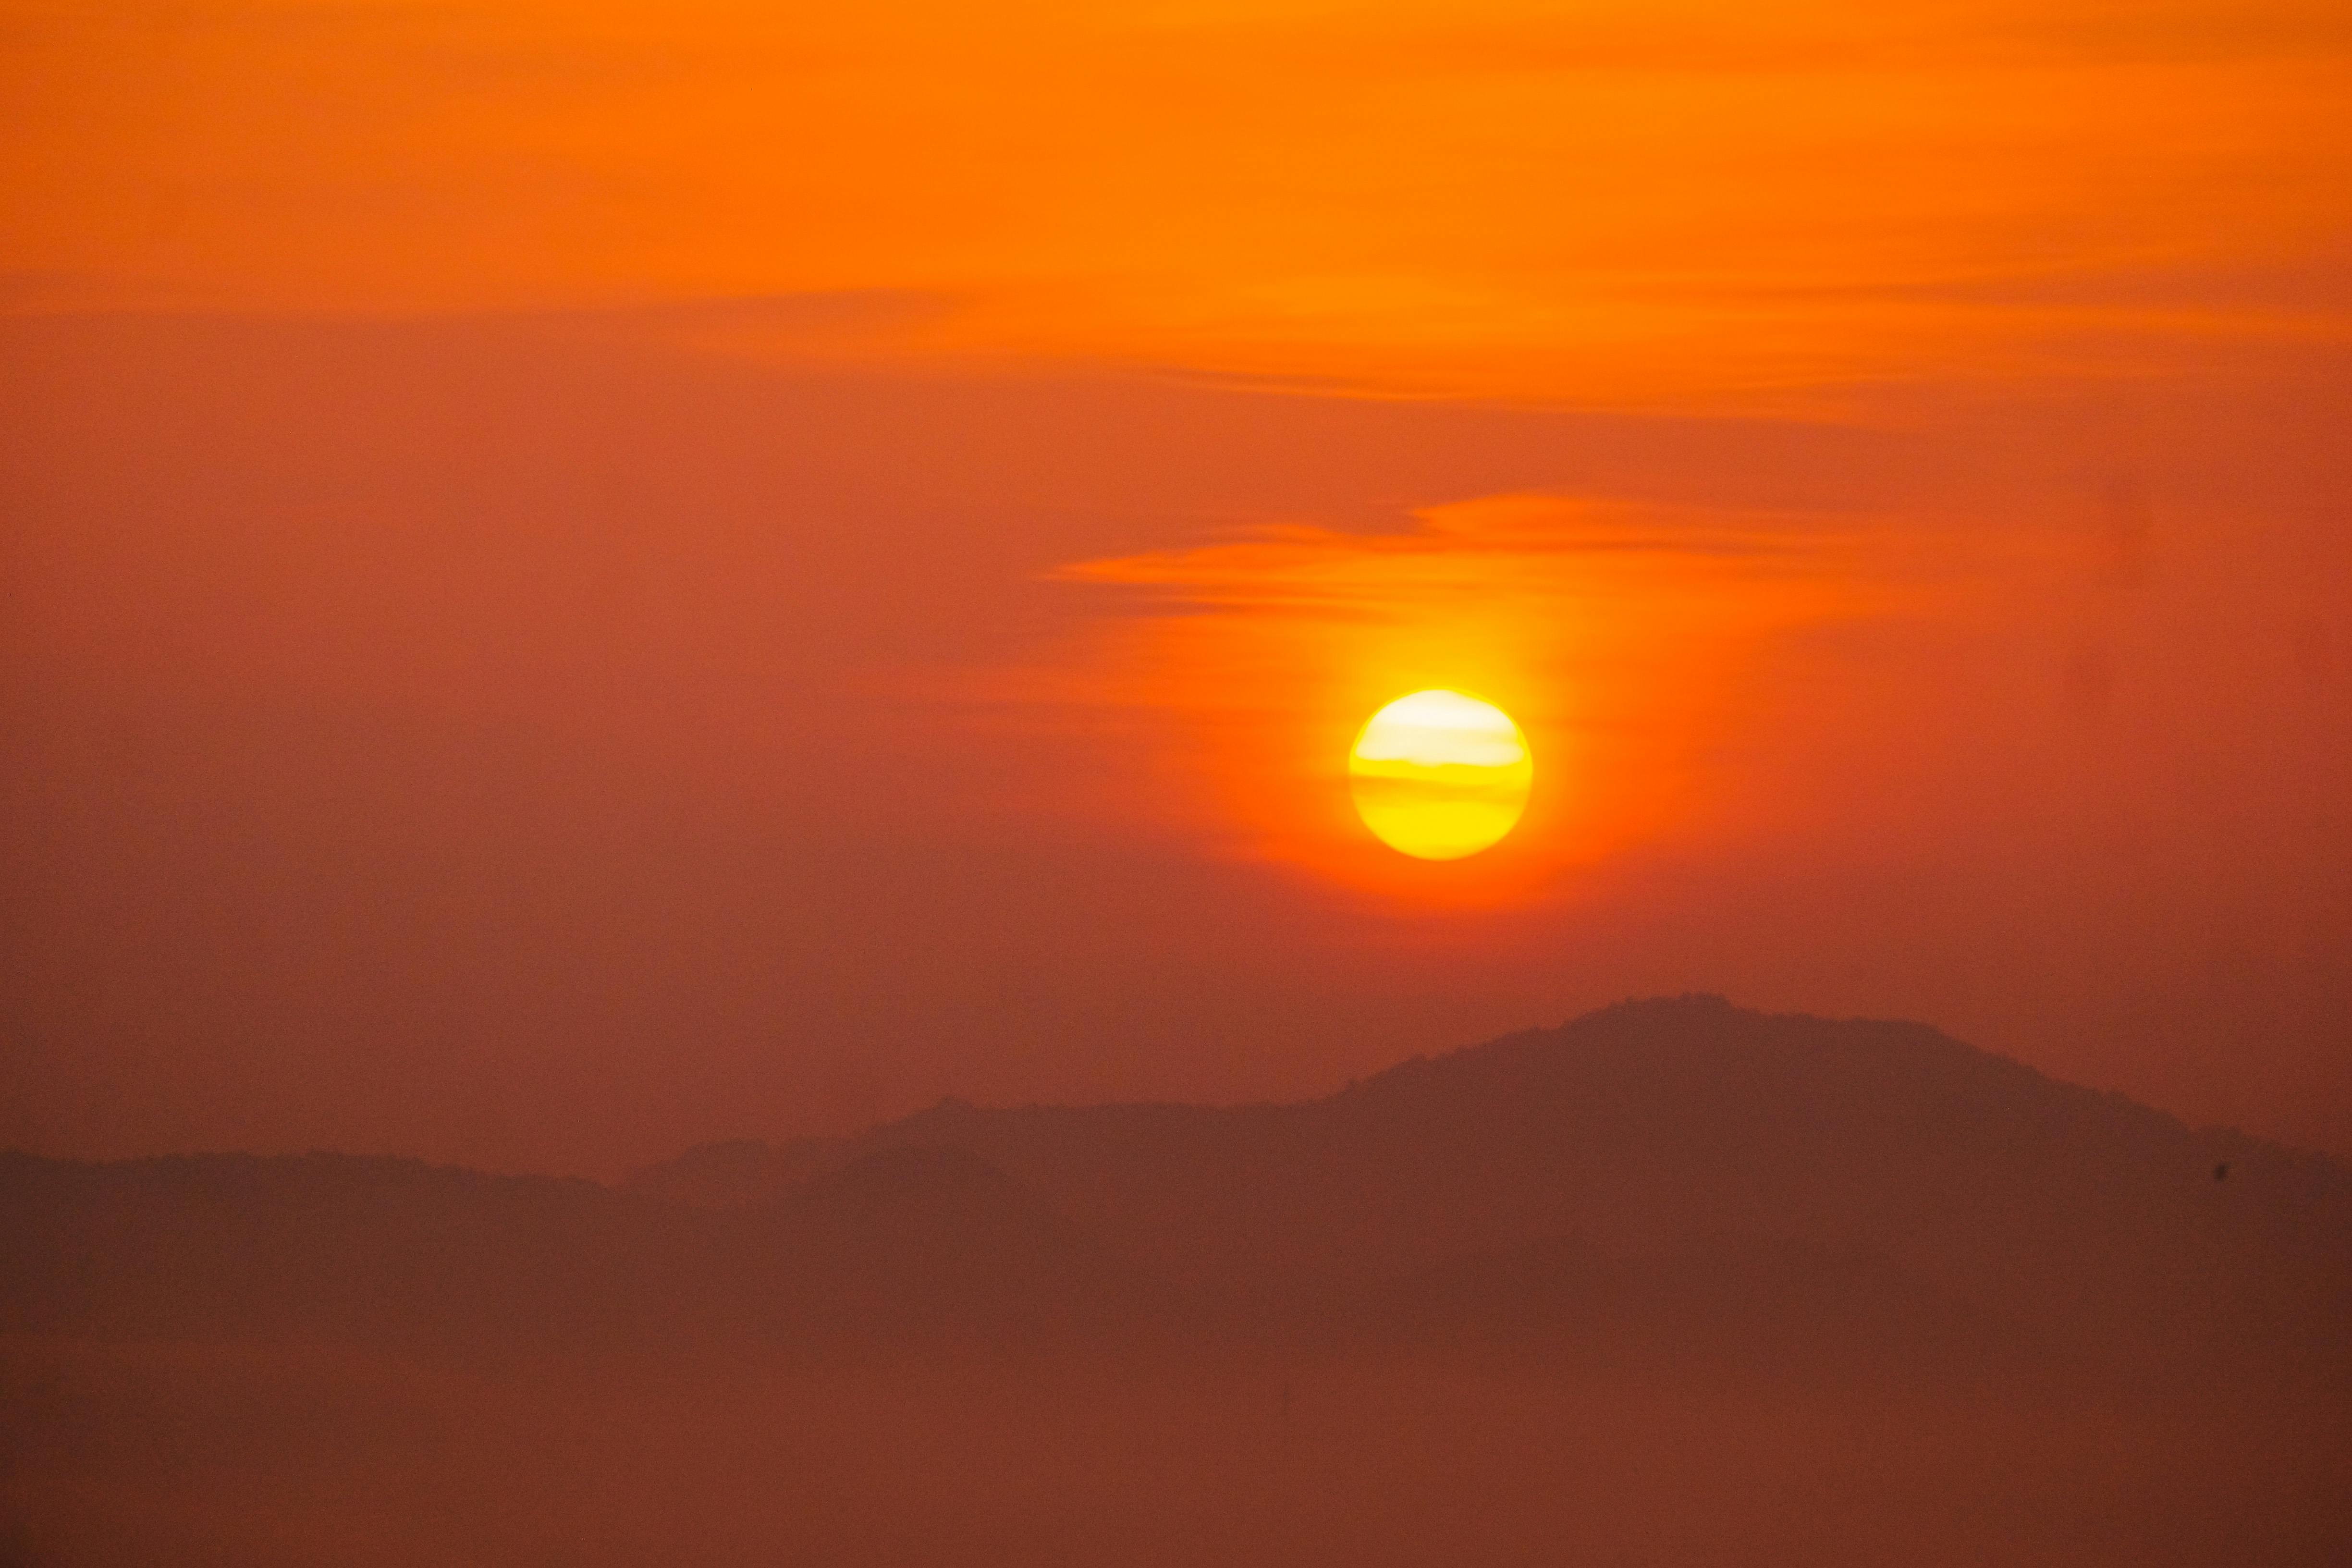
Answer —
(1619, 636)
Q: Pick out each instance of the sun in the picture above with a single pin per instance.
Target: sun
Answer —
(1439, 775)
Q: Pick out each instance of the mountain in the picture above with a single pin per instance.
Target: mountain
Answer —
(1673, 1181)
(736, 1171)
(1662, 1134)
(906, 1243)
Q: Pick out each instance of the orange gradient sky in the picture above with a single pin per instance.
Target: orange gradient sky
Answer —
(585, 577)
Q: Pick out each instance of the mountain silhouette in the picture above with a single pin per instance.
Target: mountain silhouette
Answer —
(1660, 1134)
(908, 1242)
(1662, 1182)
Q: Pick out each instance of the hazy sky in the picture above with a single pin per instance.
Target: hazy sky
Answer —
(584, 577)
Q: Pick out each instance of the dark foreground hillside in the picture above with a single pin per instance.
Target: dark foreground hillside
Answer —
(1676, 1283)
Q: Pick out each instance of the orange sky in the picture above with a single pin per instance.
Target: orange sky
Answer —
(590, 576)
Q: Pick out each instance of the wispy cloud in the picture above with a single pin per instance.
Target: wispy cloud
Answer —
(1621, 205)
(1619, 634)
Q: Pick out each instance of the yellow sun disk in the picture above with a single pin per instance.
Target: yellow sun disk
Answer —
(1439, 775)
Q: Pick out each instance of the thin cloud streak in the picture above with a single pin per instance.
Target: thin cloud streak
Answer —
(1626, 207)
(1619, 634)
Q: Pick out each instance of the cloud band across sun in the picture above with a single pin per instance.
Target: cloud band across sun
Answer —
(1618, 633)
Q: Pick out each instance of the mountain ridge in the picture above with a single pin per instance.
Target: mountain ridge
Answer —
(1538, 1188)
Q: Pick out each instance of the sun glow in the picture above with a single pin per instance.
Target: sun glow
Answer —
(1439, 775)
(1633, 638)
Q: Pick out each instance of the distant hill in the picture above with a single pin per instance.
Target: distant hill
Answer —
(1659, 1182)
(1653, 1132)
(906, 1242)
